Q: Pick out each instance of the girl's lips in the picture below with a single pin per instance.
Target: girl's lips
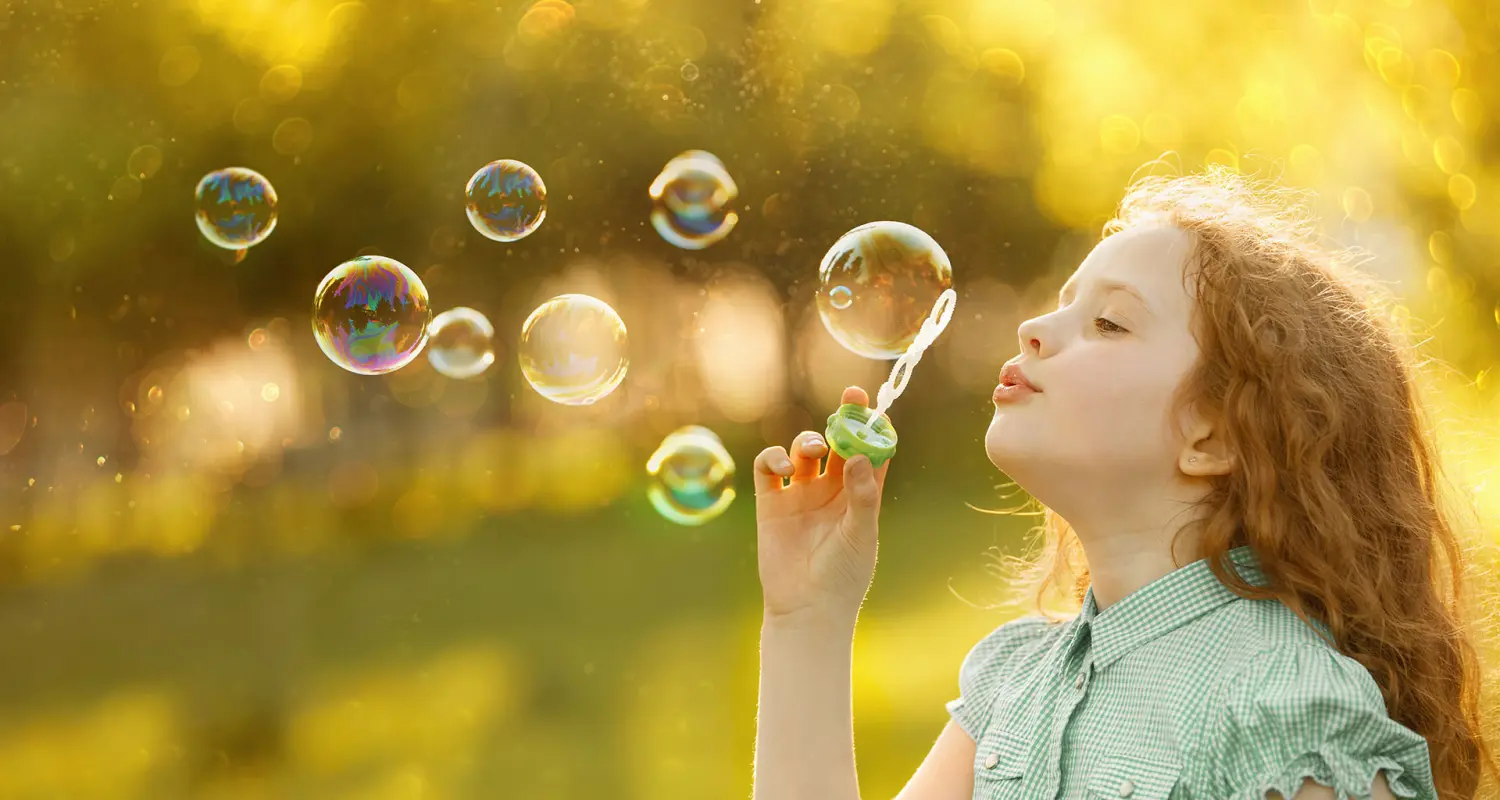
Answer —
(1012, 393)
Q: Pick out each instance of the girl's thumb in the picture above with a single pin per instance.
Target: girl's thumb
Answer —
(859, 481)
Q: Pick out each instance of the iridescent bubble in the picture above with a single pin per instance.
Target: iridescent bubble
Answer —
(236, 207)
(893, 273)
(691, 476)
(573, 349)
(461, 343)
(370, 315)
(841, 297)
(506, 200)
(692, 199)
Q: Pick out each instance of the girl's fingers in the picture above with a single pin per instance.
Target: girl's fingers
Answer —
(770, 467)
(808, 450)
(852, 394)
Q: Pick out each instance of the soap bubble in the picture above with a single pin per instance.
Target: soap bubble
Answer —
(236, 207)
(573, 349)
(460, 343)
(506, 200)
(892, 273)
(692, 476)
(370, 315)
(841, 297)
(691, 201)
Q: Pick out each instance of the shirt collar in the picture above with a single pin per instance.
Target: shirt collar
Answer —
(1169, 602)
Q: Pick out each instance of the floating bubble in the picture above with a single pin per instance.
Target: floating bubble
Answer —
(370, 315)
(506, 200)
(236, 207)
(841, 297)
(573, 349)
(893, 274)
(692, 199)
(692, 476)
(460, 343)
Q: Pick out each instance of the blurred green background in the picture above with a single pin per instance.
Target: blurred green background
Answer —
(230, 569)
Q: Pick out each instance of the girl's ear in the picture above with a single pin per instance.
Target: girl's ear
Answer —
(1205, 451)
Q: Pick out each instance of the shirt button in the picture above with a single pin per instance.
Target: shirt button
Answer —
(1078, 684)
(1127, 788)
(991, 760)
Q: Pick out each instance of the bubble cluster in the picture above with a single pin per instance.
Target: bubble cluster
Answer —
(460, 343)
(692, 201)
(691, 476)
(506, 200)
(370, 315)
(235, 207)
(878, 283)
(573, 349)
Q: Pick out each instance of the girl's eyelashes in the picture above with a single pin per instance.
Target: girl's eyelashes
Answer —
(1105, 326)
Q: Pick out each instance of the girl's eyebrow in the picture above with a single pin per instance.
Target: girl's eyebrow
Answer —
(1109, 285)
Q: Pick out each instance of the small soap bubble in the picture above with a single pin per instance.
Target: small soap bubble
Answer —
(573, 349)
(893, 274)
(691, 476)
(370, 315)
(506, 200)
(689, 71)
(236, 208)
(841, 297)
(461, 343)
(692, 201)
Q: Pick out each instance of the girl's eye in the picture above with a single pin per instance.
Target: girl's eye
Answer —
(1105, 326)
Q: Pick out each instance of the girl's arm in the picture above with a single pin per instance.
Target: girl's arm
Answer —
(804, 737)
(804, 743)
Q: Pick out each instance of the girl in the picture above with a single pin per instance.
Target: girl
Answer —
(1255, 539)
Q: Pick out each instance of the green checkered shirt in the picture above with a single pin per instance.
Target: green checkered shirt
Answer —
(1180, 690)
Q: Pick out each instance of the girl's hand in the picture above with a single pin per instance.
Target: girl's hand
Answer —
(816, 538)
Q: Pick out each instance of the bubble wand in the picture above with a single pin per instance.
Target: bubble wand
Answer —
(854, 429)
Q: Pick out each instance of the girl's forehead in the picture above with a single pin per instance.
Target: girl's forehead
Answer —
(1150, 259)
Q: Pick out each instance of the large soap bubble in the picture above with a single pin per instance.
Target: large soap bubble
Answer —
(506, 200)
(235, 207)
(878, 283)
(691, 201)
(691, 476)
(573, 349)
(370, 315)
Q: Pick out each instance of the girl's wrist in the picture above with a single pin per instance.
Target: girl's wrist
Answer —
(819, 623)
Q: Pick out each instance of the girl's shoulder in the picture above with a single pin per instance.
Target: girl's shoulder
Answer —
(1003, 652)
(1012, 639)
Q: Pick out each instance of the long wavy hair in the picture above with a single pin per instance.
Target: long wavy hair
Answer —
(1337, 485)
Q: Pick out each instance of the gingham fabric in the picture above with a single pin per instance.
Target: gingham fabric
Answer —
(1181, 690)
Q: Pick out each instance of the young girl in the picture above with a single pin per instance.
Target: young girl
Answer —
(1255, 537)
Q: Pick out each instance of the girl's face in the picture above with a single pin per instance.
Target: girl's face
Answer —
(1106, 364)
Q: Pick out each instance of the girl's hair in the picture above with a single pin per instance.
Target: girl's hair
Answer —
(1337, 486)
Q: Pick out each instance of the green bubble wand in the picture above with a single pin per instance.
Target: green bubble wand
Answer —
(854, 429)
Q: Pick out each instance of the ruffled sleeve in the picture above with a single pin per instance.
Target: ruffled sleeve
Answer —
(1310, 712)
(985, 669)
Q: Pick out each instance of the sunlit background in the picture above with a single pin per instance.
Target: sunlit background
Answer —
(233, 569)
